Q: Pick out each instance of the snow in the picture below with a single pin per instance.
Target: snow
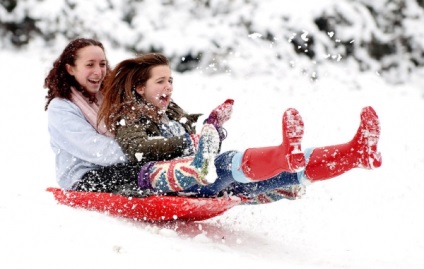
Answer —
(362, 219)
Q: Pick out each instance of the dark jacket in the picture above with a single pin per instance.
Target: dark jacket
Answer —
(142, 141)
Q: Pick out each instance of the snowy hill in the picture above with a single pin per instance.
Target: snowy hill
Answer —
(360, 220)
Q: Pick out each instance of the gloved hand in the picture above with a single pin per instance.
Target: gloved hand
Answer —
(219, 116)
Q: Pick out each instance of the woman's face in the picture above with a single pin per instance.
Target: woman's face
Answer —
(158, 88)
(89, 69)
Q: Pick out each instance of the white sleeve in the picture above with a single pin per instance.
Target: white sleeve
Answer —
(70, 131)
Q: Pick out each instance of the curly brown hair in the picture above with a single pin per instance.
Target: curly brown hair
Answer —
(59, 81)
(120, 99)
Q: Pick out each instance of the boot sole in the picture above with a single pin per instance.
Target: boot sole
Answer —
(371, 135)
(293, 130)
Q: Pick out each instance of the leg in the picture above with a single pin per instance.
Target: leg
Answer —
(284, 180)
(361, 151)
(223, 166)
(119, 178)
(233, 181)
(248, 169)
(291, 193)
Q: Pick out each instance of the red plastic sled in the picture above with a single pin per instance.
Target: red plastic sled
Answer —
(152, 208)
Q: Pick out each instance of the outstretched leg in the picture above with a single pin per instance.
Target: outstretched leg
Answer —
(361, 151)
(250, 171)
(264, 163)
(255, 166)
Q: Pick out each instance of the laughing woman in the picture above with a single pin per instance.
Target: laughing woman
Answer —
(152, 129)
(87, 156)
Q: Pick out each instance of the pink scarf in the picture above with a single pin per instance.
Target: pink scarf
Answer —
(90, 110)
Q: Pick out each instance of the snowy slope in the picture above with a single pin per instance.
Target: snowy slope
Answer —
(362, 219)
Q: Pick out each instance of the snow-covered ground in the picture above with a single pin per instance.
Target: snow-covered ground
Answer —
(362, 219)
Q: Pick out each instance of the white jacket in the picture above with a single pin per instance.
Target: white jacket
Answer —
(79, 148)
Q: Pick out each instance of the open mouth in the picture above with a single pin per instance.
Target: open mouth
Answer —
(164, 98)
(95, 82)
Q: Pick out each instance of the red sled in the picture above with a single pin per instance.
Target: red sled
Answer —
(152, 208)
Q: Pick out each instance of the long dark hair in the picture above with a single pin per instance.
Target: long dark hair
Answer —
(120, 99)
(58, 81)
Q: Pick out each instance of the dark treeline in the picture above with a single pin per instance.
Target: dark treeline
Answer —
(385, 36)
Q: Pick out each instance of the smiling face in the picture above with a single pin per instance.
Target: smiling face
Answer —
(158, 88)
(89, 68)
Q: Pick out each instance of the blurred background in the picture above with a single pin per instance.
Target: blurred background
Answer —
(381, 36)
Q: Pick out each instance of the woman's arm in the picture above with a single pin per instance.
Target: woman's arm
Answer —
(70, 131)
(139, 146)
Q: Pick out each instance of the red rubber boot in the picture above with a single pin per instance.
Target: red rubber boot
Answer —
(361, 151)
(263, 163)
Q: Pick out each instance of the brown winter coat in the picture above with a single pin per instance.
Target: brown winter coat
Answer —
(142, 141)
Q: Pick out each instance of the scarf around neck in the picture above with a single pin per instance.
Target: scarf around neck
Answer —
(90, 110)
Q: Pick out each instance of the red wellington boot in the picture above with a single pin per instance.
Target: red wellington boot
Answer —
(361, 151)
(264, 163)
